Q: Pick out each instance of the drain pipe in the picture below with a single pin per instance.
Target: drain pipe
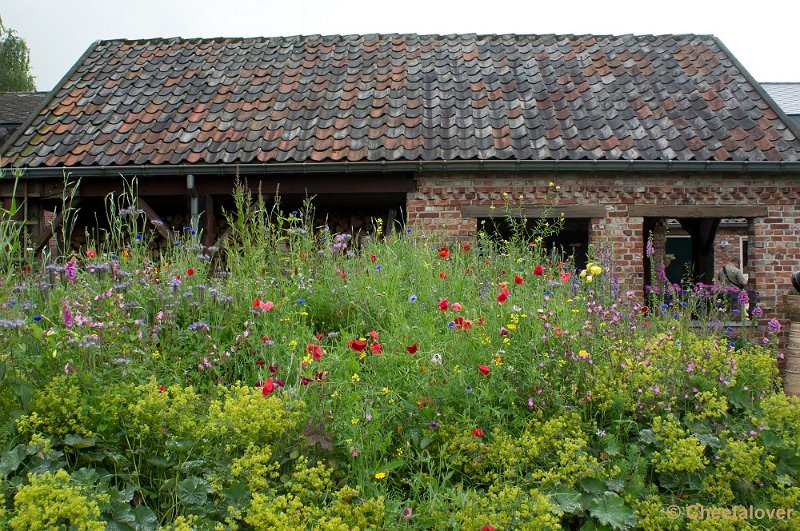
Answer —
(194, 198)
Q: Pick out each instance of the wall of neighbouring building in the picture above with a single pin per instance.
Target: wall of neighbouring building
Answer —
(773, 240)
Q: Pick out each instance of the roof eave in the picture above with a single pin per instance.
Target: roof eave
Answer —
(333, 167)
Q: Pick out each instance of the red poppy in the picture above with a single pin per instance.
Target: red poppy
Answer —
(645, 309)
(315, 351)
(372, 258)
(466, 325)
(442, 274)
(256, 303)
(485, 370)
(518, 280)
(373, 334)
(267, 388)
(260, 362)
(357, 345)
(565, 276)
(466, 247)
(190, 272)
(266, 339)
(443, 305)
(412, 349)
(487, 528)
(502, 297)
(477, 432)
(342, 274)
(444, 252)
(538, 271)
(162, 389)
(90, 253)
(376, 348)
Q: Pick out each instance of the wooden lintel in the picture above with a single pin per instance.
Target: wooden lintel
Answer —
(154, 218)
(698, 211)
(533, 211)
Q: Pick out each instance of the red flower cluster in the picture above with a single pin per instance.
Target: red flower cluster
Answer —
(462, 324)
(264, 306)
(315, 351)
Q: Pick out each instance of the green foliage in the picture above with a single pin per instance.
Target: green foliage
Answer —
(295, 379)
(14, 62)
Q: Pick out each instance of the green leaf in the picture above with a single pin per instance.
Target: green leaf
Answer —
(77, 441)
(567, 501)
(611, 510)
(739, 398)
(392, 465)
(159, 462)
(193, 491)
(12, 459)
(425, 442)
(144, 519)
(237, 495)
(188, 466)
(85, 477)
(615, 485)
(647, 436)
(610, 445)
(592, 485)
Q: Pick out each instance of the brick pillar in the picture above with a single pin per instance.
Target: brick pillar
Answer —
(438, 219)
(621, 238)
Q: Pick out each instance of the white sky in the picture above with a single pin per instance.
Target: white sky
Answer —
(762, 35)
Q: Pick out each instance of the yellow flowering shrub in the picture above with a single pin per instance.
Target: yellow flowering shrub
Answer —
(680, 451)
(49, 501)
(57, 409)
(505, 506)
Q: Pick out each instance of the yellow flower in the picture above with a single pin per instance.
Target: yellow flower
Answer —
(511, 326)
(498, 360)
(551, 183)
(385, 390)
(292, 343)
(356, 377)
(596, 269)
(156, 354)
(583, 353)
(354, 420)
(380, 475)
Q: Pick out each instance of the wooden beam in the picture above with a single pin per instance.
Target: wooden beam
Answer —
(698, 211)
(43, 237)
(533, 211)
(154, 218)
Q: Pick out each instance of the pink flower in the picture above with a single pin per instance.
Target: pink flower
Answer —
(456, 307)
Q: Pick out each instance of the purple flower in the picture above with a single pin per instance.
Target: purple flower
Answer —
(67, 315)
(69, 271)
(408, 512)
(743, 298)
(774, 326)
(648, 250)
(757, 312)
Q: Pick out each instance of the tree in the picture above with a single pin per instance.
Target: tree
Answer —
(15, 62)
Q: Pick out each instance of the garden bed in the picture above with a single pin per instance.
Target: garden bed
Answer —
(406, 384)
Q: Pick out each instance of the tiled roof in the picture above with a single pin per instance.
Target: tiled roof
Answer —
(15, 107)
(786, 95)
(405, 97)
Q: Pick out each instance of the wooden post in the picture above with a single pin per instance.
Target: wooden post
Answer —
(791, 379)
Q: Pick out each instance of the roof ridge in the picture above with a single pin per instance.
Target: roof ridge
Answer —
(437, 36)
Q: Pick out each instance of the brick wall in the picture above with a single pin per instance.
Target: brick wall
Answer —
(774, 240)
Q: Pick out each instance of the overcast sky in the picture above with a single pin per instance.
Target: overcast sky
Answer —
(762, 35)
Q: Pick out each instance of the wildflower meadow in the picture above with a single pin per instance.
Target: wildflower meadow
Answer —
(294, 379)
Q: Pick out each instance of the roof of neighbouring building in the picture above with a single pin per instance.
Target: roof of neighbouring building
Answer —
(405, 98)
(787, 96)
(15, 107)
